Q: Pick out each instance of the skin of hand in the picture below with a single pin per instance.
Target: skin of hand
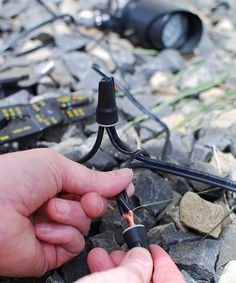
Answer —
(136, 266)
(46, 205)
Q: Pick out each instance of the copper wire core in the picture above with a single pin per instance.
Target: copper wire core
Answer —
(129, 217)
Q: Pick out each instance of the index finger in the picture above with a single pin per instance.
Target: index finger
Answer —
(78, 179)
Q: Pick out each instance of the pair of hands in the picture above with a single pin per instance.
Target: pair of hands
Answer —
(47, 203)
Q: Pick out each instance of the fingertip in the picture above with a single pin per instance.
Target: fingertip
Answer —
(165, 270)
(99, 260)
(117, 257)
(93, 204)
(130, 190)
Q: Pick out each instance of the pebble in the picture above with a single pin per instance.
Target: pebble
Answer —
(151, 188)
(196, 258)
(201, 215)
(228, 244)
(229, 273)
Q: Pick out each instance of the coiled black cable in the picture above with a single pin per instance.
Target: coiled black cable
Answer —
(167, 167)
(95, 147)
(23, 34)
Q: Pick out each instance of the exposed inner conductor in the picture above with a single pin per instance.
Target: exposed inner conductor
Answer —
(129, 217)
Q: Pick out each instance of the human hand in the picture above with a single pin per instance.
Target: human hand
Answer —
(42, 225)
(136, 266)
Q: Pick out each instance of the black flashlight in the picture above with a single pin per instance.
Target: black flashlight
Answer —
(159, 25)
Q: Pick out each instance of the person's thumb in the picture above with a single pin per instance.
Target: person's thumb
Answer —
(136, 267)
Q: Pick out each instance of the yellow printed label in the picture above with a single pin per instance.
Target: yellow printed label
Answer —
(20, 130)
(39, 118)
(46, 122)
(64, 99)
(11, 111)
(18, 111)
(5, 112)
(54, 120)
(70, 113)
(36, 107)
(42, 103)
(3, 138)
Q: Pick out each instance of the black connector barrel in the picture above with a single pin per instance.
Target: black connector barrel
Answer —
(136, 236)
(106, 114)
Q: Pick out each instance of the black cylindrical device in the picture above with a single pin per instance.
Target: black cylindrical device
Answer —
(136, 236)
(159, 24)
(106, 114)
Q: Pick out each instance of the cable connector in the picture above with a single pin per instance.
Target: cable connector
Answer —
(107, 114)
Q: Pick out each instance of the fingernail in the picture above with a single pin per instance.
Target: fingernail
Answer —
(99, 204)
(140, 255)
(44, 228)
(62, 207)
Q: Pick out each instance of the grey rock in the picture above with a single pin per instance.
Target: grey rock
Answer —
(218, 137)
(76, 268)
(150, 188)
(187, 277)
(201, 215)
(21, 97)
(203, 73)
(130, 110)
(171, 236)
(71, 148)
(105, 240)
(178, 151)
(69, 42)
(196, 258)
(201, 153)
(91, 128)
(78, 64)
(61, 75)
(102, 161)
(155, 234)
(229, 273)
(55, 278)
(207, 168)
(10, 9)
(167, 60)
(171, 213)
(148, 220)
(228, 244)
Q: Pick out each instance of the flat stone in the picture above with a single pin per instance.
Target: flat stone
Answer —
(148, 220)
(106, 241)
(21, 97)
(78, 64)
(55, 278)
(229, 273)
(196, 258)
(201, 153)
(76, 268)
(201, 215)
(155, 234)
(215, 136)
(207, 168)
(228, 244)
(70, 148)
(187, 277)
(150, 188)
(69, 42)
(130, 110)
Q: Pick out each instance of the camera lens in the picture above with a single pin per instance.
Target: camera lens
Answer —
(175, 31)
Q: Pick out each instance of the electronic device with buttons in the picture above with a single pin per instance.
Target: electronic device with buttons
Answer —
(22, 121)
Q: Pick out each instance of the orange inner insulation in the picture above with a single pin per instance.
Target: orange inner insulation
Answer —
(129, 217)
